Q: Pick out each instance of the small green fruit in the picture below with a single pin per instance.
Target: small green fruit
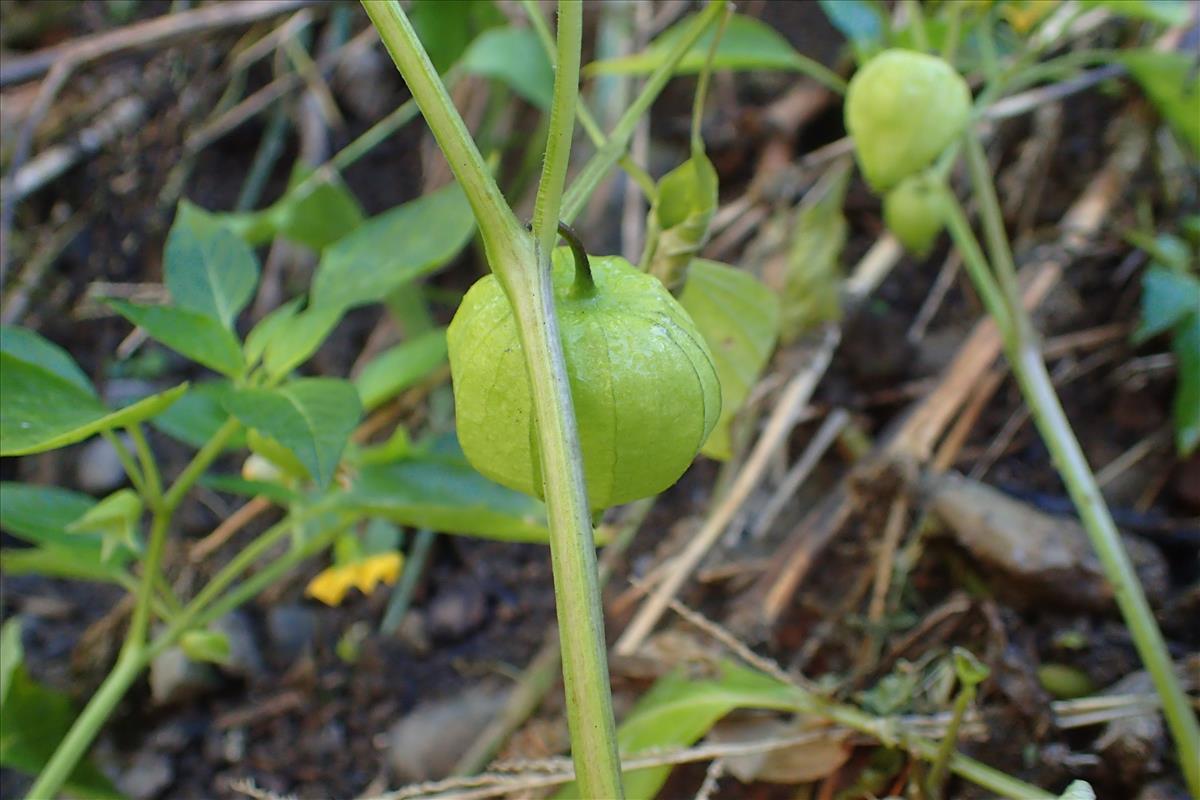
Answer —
(643, 383)
(902, 109)
(914, 212)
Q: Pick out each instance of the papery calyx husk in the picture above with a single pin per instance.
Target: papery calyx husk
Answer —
(903, 109)
(644, 386)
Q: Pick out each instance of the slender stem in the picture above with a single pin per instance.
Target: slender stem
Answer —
(135, 639)
(1025, 359)
(937, 775)
(503, 236)
(701, 94)
(602, 161)
(73, 746)
(976, 263)
(992, 218)
(1068, 457)
(562, 129)
(128, 463)
(590, 126)
(414, 565)
(148, 462)
(585, 282)
(200, 462)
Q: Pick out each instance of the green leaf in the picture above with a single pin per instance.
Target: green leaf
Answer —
(446, 36)
(116, 520)
(29, 346)
(1167, 298)
(1186, 343)
(1173, 86)
(515, 57)
(237, 485)
(677, 711)
(11, 656)
(74, 563)
(739, 319)
(813, 279)
(400, 367)
(298, 338)
(684, 203)
(862, 22)
(1165, 12)
(33, 720)
(315, 214)
(396, 247)
(269, 328)
(747, 44)
(195, 418)
(443, 493)
(190, 333)
(207, 267)
(41, 514)
(41, 411)
(312, 417)
(210, 646)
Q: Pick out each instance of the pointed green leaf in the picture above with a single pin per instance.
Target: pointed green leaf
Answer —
(73, 563)
(1168, 297)
(1165, 12)
(210, 646)
(207, 267)
(677, 711)
(400, 367)
(197, 416)
(392, 249)
(446, 36)
(190, 333)
(1171, 83)
(739, 319)
(677, 226)
(314, 213)
(312, 417)
(442, 492)
(298, 338)
(41, 411)
(515, 57)
(34, 720)
(813, 280)
(41, 514)
(269, 328)
(11, 656)
(747, 44)
(29, 346)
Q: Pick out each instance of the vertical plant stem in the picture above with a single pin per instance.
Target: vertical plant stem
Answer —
(1025, 359)
(522, 268)
(135, 638)
(503, 236)
(937, 774)
(73, 746)
(572, 549)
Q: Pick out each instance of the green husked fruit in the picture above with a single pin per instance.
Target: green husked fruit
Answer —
(642, 379)
(914, 212)
(903, 109)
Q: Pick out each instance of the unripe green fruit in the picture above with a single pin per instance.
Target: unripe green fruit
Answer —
(903, 108)
(643, 383)
(914, 212)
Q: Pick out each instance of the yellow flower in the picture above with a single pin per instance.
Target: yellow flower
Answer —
(330, 585)
(1024, 15)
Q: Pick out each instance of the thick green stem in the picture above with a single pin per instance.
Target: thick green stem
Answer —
(504, 239)
(522, 267)
(73, 746)
(1025, 359)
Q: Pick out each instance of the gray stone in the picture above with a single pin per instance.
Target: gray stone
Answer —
(290, 631)
(174, 677)
(456, 611)
(99, 469)
(427, 743)
(245, 658)
(147, 777)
